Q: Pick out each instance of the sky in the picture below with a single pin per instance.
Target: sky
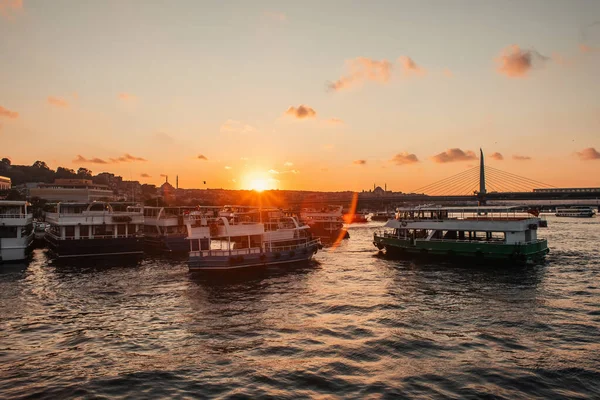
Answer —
(312, 95)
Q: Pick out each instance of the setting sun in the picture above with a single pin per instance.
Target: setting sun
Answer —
(259, 185)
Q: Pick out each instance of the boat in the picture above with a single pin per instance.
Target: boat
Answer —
(356, 218)
(485, 233)
(327, 223)
(382, 216)
(575, 212)
(94, 229)
(165, 227)
(248, 239)
(39, 233)
(16, 230)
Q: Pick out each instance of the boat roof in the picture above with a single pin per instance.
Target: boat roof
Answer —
(461, 209)
(14, 203)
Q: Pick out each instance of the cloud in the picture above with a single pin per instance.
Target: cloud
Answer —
(359, 162)
(521, 158)
(127, 158)
(589, 154)
(273, 171)
(335, 121)
(497, 156)
(227, 167)
(404, 159)
(288, 163)
(162, 137)
(57, 101)
(8, 8)
(7, 113)
(275, 15)
(363, 69)
(453, 155)
(515, 62)
(126, 96)
(145, 175)
(82, 160)
(232, 126)
(202, 157)
(447, 73)
(409, 67)
(301, 112)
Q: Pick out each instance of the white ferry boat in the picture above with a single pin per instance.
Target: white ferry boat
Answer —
(252, 239)
(165, 227)
(94, 229)
(326, 223)
(575, 212)
(16, 230)
(480, 233)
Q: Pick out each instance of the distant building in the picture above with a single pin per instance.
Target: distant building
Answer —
(5, 183)
(72, 190)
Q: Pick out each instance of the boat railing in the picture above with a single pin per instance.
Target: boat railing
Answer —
(16, 216)
(294, 246)
(224, 253)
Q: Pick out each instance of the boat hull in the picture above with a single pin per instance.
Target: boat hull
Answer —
(170, 244)
(223, 263)
(15, 249)
(478, 251)
(98, 247)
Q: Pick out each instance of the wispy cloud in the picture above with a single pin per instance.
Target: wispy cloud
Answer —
(6, 113)
(233, 126)
(126, 96)
(409, 67)
(127, 158)
(9, 8)
(453, 155)
(359, 162)
(404, 158)
(202, 157)
(58, 101)
(515, 62)
(518, 157)
(589, 154)
(335, 121)
(288, 163)
(274, 172)
(363, 69)
(497, 156)
(227, 167)
(145, 175)
(162, 137)
(94, 160)
(447, 73)
(301, 112)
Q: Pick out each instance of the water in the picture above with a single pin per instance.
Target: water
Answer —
(352, 325)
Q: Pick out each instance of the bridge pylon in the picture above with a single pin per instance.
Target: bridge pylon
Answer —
(481, 195)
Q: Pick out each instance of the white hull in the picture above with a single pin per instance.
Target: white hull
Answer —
(15, 249)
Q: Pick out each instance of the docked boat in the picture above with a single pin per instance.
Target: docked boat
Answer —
(575, 212)
(479, 233)
(382, 216)
(250, 240)
(94, 229)
(326, 224)
(165, 227)
(356, 218)
(16, 230)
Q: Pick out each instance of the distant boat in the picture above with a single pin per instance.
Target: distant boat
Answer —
(253, 240)
(326, 223)
(356, 218)
(16, 230)
(479, 233)
(382, 216)
(575, 212)
(95, 229)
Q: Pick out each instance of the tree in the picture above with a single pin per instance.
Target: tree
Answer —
(5, 161)
(84, 173)
(40, 165)
(65, 173)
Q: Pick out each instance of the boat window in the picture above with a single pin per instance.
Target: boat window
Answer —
(84, 230)
(121, 229)
(8, 232)
(69, 231)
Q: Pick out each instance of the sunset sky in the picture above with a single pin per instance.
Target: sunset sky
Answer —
(322, 95)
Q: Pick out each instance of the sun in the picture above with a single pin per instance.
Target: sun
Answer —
(259, 185)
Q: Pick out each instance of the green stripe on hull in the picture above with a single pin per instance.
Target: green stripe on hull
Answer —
(474, 249)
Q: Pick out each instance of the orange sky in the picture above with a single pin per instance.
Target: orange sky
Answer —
(313, 96)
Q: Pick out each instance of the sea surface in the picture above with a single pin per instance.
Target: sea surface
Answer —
(351, 324)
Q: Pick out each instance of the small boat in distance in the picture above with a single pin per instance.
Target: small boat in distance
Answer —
(382, 216)
(480, 233)
(356, 218)
(95, 229)
(256, 239)
(326, 223)
(575, 212)
(16, 230)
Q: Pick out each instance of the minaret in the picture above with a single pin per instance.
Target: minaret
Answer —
(167, 178)
(176, 181)
(386, 187)
(482, 191)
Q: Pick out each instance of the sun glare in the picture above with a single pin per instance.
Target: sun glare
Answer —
(259, 185)
(258, 181)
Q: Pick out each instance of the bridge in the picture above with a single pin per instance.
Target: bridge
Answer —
(481, 184)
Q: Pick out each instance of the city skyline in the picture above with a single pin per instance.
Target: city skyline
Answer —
(328, 97)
